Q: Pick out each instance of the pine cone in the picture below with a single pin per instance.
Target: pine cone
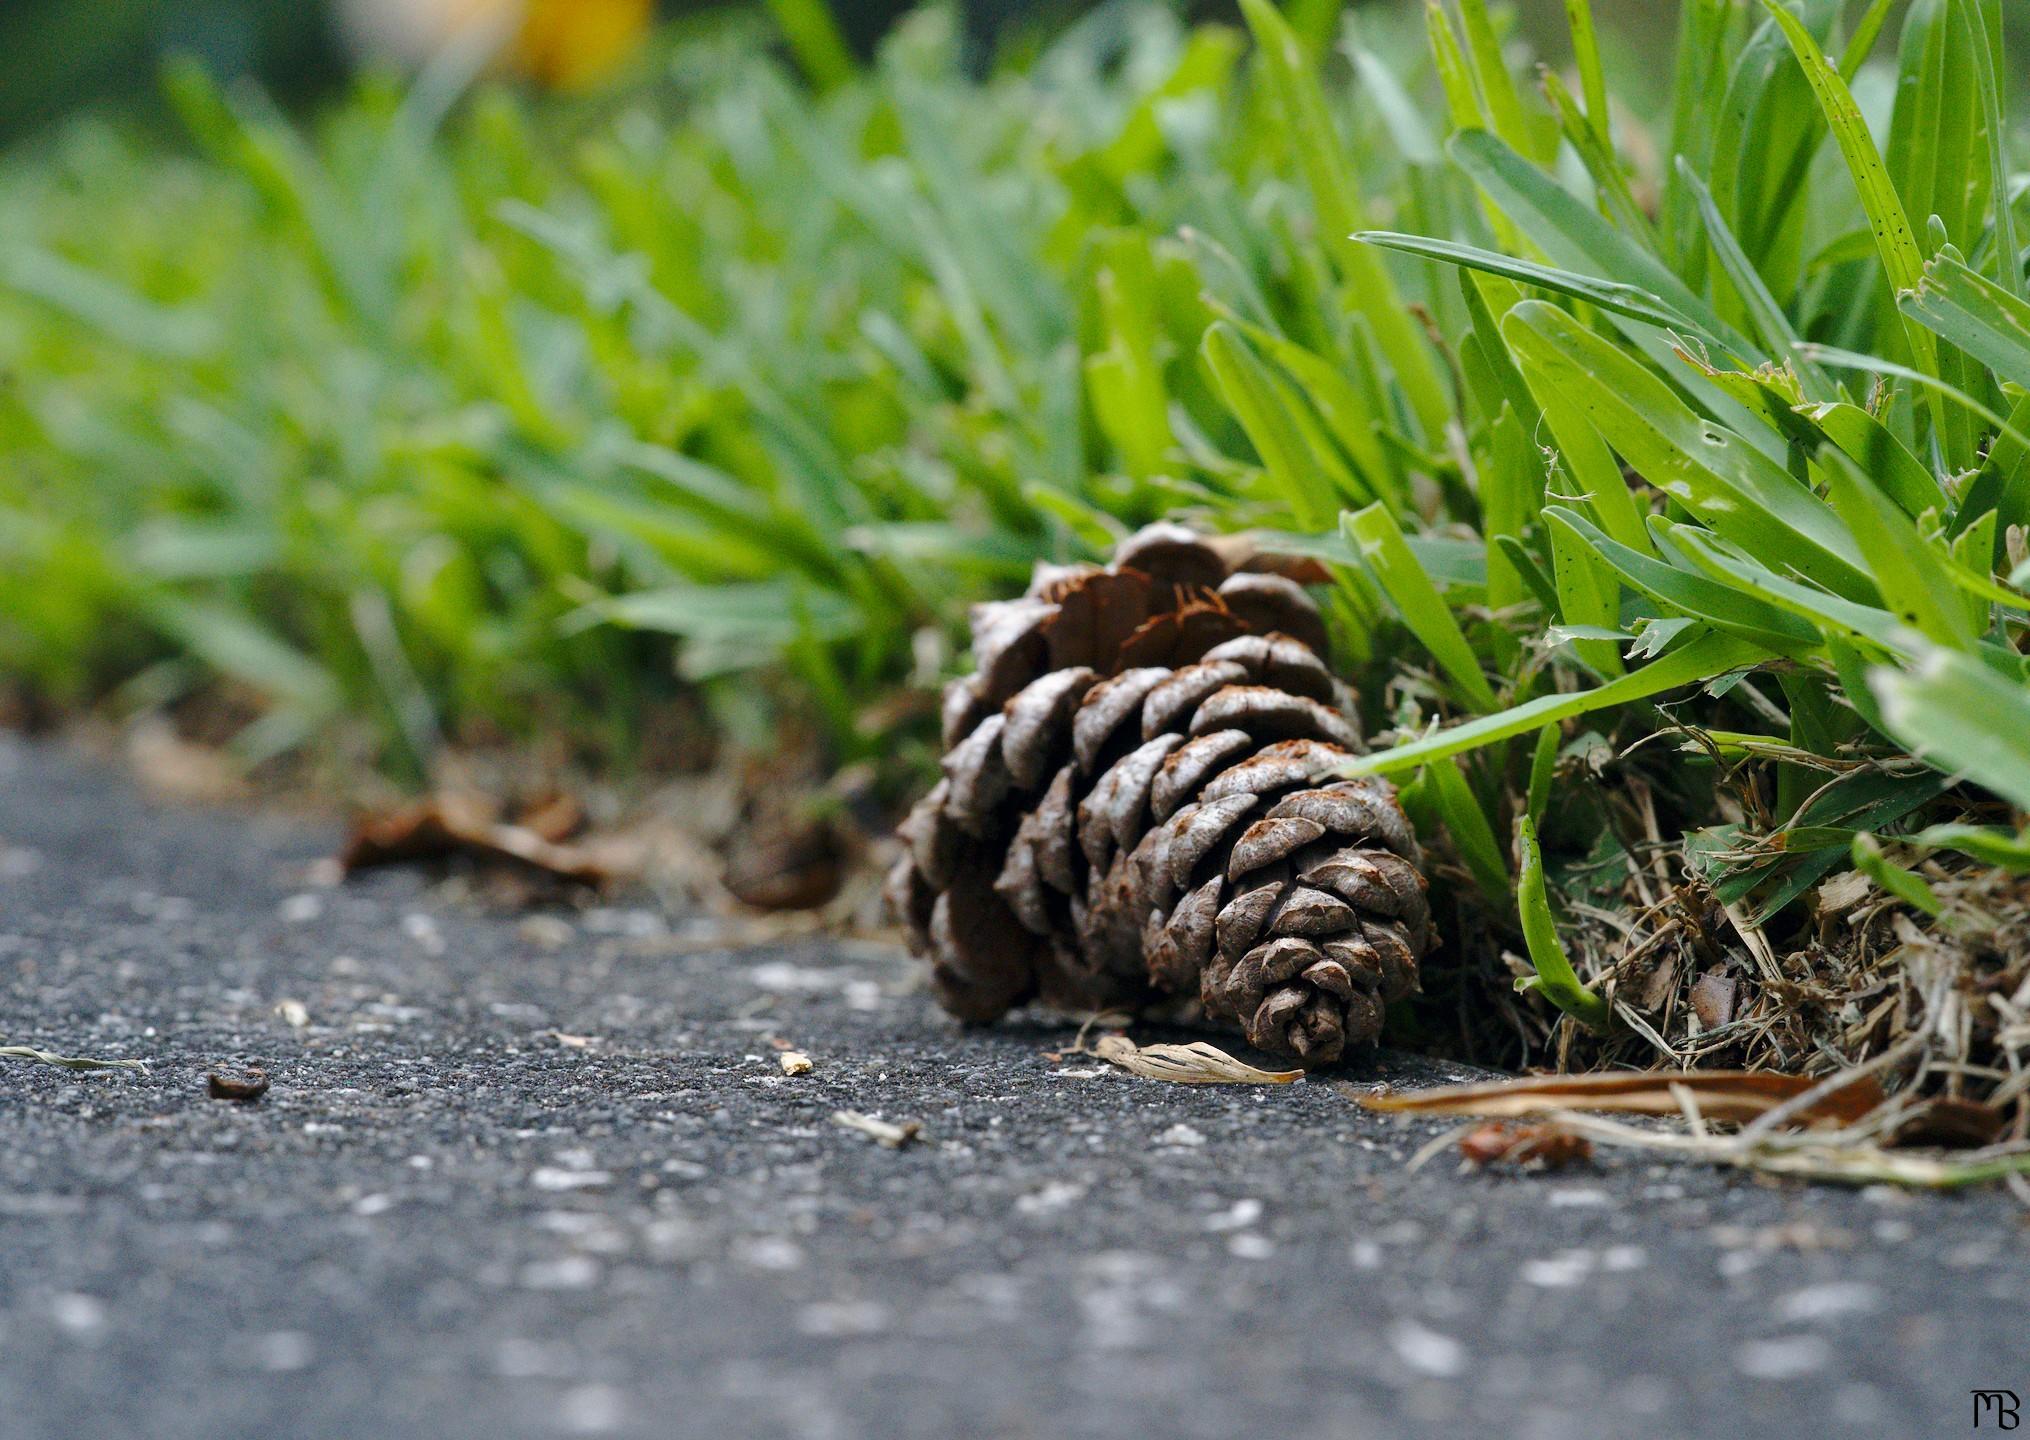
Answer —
(1130, 811)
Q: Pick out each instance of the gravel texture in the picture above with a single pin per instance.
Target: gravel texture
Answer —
(547, 1177)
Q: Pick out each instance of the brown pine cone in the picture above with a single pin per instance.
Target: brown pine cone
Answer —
(1131, 809)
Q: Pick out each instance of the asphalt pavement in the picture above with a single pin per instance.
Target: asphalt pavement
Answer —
(536, 1176)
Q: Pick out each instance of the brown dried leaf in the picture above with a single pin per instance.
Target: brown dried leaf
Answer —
(447, 825)
(1195, 1064)
(1713, 1000)
(1728, 1095)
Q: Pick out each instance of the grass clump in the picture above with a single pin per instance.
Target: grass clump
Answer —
(1673, 470)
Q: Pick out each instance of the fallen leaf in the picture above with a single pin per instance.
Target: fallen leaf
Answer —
(795, 1062)
(1550, 1146)
(1195, 1064)
(453, 824)
(1729, 1095)
(895, 1137)
(244, 1088)
(1713, 1000)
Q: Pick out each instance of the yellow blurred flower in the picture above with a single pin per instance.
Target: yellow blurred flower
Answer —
(566, 44)
(570, 44)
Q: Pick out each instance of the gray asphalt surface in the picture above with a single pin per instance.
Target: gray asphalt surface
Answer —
(541, 1179)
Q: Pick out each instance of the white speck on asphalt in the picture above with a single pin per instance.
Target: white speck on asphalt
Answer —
(1783, 1357)
(567, 1272)
(301, 909)
(1180, 1134)
(1559, 1272)
(1575, 1198)
(81, 1315)
(1057, 1195)
(592, 1410)
(283, 1352)
(840, 1319)
(1251, 1247)
(1427, 1352)
(1242, 1214)
(1827, 1302)
(768, 1252)
(556, 1179)
(423, 930)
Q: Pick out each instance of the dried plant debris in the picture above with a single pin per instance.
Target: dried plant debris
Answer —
(1197, 1063)
(244, 1086)
(794, 1062)
(1840, 1128)
(1134, 811)
(1823, 1156)
(1544, 1145)
(885, 1133)
(1715, 1095)
(33, 1056)
(457, 824)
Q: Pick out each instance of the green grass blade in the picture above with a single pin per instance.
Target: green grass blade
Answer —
(1697, 661)
(1986, 320)
(1767, 318)
(1895, 242)
(1959, 716)
(1592, 78)
(1616, 298)
(1260, 405)
(1423, 609)
(1702, 466)
(1321, 155)
(1472, 836)
(1555, 979)
(1915, 581)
